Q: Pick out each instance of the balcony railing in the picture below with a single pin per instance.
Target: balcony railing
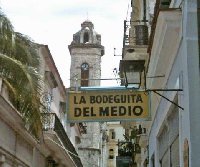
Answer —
(52, 123)
(135, 34)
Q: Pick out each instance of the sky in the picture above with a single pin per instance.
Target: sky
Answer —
(53, 23)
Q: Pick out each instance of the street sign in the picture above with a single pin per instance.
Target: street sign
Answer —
(107, 105)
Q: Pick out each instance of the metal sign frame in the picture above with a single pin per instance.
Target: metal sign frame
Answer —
(107, 104)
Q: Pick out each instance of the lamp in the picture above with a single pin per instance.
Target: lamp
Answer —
(132, 70)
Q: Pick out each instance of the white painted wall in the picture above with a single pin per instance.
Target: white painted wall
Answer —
(183, 74)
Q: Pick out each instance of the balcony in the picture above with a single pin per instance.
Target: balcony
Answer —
(135, 33)
(58, 142)
(135, 40)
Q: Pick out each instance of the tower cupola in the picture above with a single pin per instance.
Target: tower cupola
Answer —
(87, 36)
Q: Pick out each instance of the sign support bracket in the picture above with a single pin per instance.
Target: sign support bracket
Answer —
(156, 92)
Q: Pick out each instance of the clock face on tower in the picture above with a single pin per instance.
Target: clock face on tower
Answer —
(84, 66)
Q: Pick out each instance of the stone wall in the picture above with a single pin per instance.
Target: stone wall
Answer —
(93, 59)
(90, 157)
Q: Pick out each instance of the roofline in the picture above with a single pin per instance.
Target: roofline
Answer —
(56, 70)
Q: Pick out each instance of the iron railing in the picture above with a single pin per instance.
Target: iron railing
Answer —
(51, 122)
(135, 33)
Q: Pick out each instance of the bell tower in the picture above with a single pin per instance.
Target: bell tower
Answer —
(86, 51)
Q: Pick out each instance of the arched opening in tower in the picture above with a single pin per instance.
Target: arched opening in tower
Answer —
(86, 37)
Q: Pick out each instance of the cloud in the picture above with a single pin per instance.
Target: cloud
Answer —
(53, 22)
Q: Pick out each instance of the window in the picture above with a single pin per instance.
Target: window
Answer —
(111, 153)
(62, 110)
(84, 74)
(168, 141)
(62, 107)
(112, 134)
(86, 37)
(47, 99)
(111, 157)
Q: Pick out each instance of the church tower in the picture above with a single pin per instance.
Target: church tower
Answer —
(86, 51)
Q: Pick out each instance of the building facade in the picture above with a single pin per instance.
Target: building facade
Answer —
(174, 52)
(55, 128)
(18, 146)
(135, 44)
(115, 135)
(86, 51)
(172, 80)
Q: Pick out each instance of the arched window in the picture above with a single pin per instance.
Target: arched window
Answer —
(86, 37)
(84, 74)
